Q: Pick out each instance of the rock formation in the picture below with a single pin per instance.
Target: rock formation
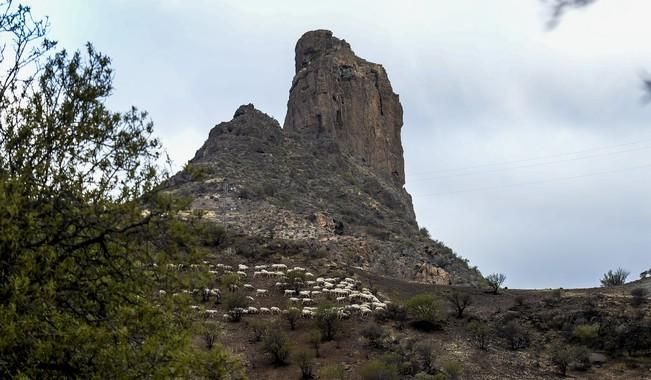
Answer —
(329, 184)
(339, 95)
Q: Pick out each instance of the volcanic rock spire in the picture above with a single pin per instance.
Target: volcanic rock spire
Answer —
(335, 94)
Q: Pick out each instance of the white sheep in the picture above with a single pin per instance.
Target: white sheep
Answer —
(250, 298)
(242, 267)
(210, 313)
(294, 300)
(341, 299)
(289, 292)
(261, 292)
(304, 293)
(252, 310)
(248, 287)
(306, 301)
(275, 310)
(315, 293)
(241, 273)
(265, 310)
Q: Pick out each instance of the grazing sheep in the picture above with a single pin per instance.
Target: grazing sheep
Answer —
(162, 292)
(256, 274)
(248, 287)
(309, 274)
(316, 292)
(294, 300)
(242, 274)
(278, 266)
(252, 310)
(341, 299)
(275, 310)
(306, 301)
(289, 292)
(307, 313)
(210, 313)
(304, 293)
(265, 310)
(261, 292)
(250, 298)
(242, 267)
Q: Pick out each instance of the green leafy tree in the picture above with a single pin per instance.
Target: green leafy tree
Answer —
(84, 224)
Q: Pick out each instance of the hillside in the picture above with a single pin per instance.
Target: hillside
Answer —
(330, 183)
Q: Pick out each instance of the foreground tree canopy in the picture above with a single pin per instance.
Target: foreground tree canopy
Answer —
(85, 230)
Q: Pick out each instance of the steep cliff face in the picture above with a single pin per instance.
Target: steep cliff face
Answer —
(328, 186)
(337, 95)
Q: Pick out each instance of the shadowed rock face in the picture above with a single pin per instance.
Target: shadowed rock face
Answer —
(337, 95)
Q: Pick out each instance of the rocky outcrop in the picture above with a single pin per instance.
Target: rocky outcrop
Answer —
(327, 186)
(337, 95)
(430, 274)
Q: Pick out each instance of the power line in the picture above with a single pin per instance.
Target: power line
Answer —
(532, 165)
(464, 168)
(535, 182)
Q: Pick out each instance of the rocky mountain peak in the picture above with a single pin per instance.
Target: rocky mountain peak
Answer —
(336, 94)
(315, 43)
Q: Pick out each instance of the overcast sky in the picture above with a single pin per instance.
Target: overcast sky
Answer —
(527, 151)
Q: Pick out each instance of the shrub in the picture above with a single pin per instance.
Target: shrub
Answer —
(332, 372)
(235, 304)
(639, 296)
(209, 332)
(520, 300)
(296, 277)
(424, 352)
(424, 232)
(515, 335)
(397, 312)
(327, 321)
(292, 316)
(230, 281)
(374, 335)
(379, 370)
(553, 298)
(452, 368)
(315, 341)
(424, 376)
(586, 332)
(216, 364)
(459, 302)
(616, 278)
(495, 281)
(276, 345)
(305, 361)
(259, 328)
(480, 333)
(563, 356)
(426, 311)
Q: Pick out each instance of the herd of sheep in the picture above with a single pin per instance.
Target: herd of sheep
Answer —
(304, 292)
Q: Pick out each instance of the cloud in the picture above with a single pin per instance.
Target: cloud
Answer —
(481, 82)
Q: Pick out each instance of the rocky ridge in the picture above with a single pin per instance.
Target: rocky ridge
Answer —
(328, 186)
